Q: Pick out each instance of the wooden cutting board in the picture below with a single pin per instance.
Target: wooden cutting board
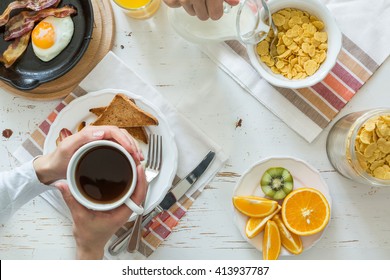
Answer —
(100, 44)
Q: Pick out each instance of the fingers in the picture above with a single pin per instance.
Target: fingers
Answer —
(135, 145)
(214, 9)
(201, 9)
(121, 214)
(173, 3)
(187, 5)
(88, 134)
(91, 133)
(67, 196)
(232, 2)
(142, 186)
(125, 140)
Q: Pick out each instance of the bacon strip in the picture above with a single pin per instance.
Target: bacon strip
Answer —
(25, 21)
(35, 5)
(15, 50)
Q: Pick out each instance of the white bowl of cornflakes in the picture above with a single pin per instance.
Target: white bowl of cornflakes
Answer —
(308, 46)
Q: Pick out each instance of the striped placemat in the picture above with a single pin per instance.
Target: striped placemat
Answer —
(319, 104)
(323, 101)
(161, 226)
(33, 146)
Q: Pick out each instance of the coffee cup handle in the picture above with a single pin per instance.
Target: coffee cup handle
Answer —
(139, 210)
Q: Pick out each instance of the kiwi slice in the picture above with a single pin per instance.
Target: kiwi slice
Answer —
(277, 182)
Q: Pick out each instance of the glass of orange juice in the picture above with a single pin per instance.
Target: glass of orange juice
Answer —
(139, 9)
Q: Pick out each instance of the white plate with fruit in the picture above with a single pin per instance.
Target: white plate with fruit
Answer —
(283, 202)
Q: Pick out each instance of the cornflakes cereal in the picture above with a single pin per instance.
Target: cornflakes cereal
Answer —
(310, 67)
(301, 47)
(372, 147)
(263, 48)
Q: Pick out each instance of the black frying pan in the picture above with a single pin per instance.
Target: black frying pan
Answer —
(29, 71)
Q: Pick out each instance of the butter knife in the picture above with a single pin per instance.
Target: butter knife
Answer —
(181, 188)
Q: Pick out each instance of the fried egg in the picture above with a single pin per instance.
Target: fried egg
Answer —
(51, 36)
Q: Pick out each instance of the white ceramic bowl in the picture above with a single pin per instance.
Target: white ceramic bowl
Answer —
(318, 9)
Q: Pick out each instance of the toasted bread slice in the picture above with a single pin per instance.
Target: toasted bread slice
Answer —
(137, 132)
(123, 112)
(97, 111)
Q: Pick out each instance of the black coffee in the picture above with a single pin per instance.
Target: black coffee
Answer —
(103, 174)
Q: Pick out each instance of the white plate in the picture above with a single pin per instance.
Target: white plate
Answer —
(78, 111)
(304, 176)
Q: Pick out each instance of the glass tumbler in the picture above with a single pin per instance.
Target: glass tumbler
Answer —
(347, 153)
(139, 9)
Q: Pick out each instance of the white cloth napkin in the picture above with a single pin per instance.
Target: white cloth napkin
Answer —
(192, 143)
(366, 24)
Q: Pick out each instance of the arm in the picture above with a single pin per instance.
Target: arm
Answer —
(17, 187)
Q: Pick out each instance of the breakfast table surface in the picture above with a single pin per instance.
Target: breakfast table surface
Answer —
(245, 129)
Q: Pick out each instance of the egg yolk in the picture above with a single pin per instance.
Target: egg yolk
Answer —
(43, 35)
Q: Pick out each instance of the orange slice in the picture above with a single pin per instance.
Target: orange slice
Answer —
(290, 241)
(305, 211)
(254, 206)
(256, 225)
(271, 241)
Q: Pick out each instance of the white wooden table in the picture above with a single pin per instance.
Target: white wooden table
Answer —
(360, 223)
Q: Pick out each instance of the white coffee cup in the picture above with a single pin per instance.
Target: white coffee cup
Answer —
(86, 201)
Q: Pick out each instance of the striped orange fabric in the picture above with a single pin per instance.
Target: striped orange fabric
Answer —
(355, 66)
(313, 98)
(162, 225)
(338, 86)
(323, 101)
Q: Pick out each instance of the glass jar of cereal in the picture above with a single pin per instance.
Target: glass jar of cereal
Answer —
(358, 146)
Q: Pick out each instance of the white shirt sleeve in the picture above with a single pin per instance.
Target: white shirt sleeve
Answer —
(17, 187)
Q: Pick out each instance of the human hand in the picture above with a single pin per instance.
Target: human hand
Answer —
(52, 167)
(203, 9)
(92, 229)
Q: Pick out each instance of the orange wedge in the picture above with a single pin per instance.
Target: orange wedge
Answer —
(254, 206)
(256, 225)
(290, 241)
(305, 211)
(271, 241)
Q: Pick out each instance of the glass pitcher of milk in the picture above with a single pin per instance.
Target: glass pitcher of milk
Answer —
(249, 22)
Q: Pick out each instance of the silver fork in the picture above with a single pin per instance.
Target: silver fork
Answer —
(152, 169)
(132, 236)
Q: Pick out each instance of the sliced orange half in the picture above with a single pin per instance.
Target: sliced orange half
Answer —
(305, 211)
(254, 206)
(256, 225)
(271, 241)
(290, 241)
